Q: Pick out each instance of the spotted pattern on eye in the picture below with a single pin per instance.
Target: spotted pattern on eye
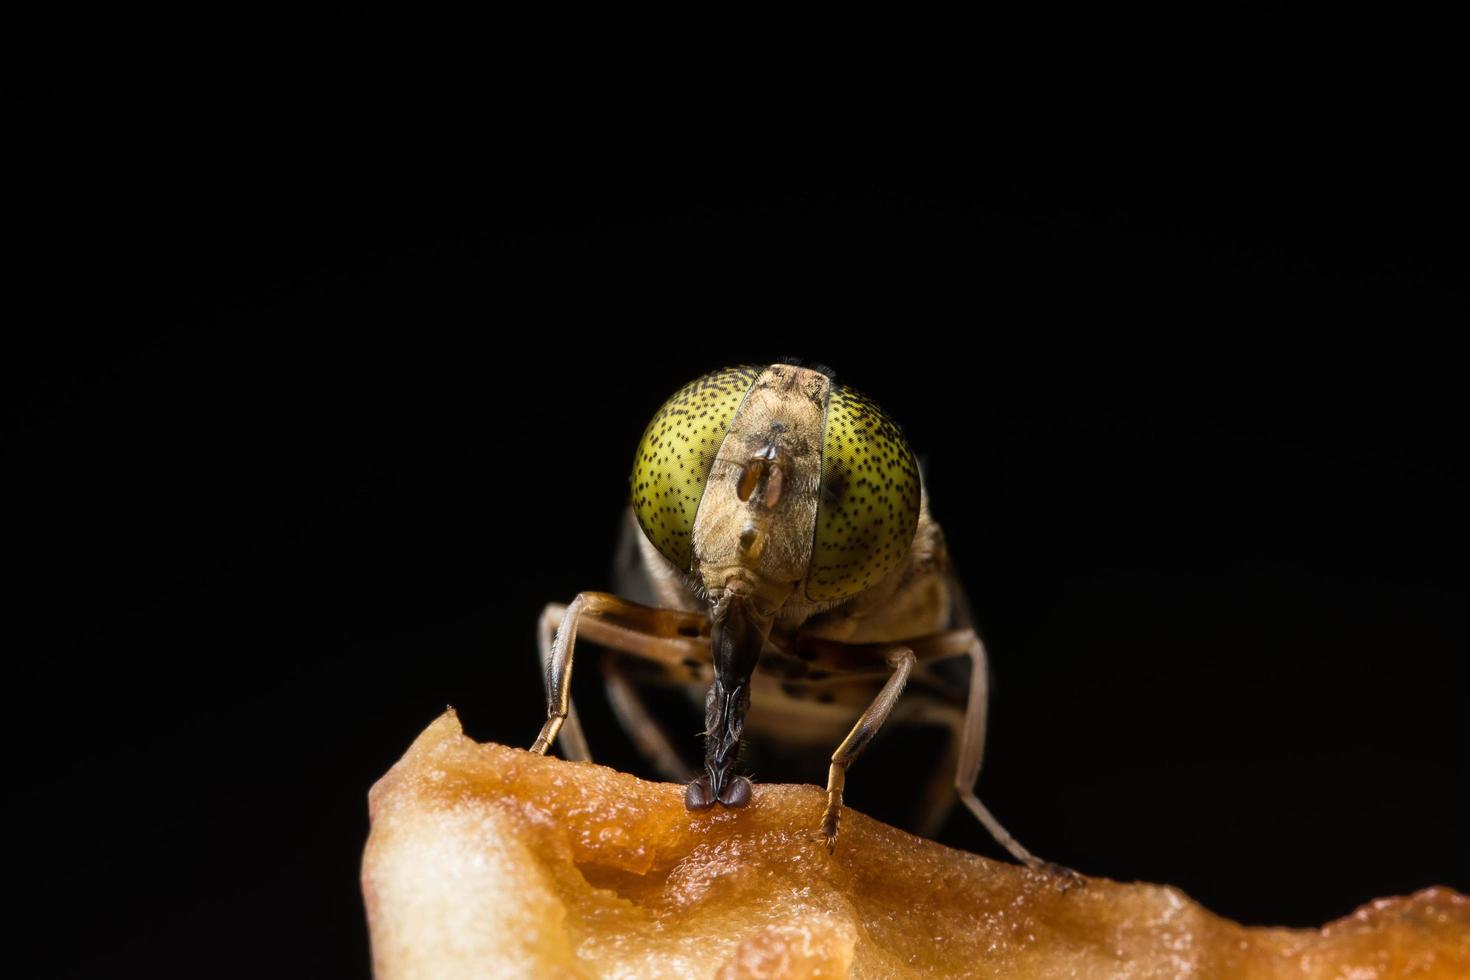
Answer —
(869, 506)
(675, 455)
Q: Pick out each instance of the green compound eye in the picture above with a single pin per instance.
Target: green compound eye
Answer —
(869, 507)
(674, 458)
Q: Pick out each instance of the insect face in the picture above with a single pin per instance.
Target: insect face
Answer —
(802, 487)
(769, 489)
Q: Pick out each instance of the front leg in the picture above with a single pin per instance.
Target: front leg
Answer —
(901, 659)
(573, 741)
(558, 667)
(677, 640)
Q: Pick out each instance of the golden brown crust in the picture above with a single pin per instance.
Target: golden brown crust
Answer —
(486, 861)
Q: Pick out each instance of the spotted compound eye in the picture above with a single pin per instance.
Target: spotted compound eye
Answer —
(674, 458)
(869, 506)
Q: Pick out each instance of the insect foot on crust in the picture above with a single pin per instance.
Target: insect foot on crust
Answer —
(831, 821)
(1063, 877)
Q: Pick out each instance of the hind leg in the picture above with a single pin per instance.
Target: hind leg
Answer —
(647, 735)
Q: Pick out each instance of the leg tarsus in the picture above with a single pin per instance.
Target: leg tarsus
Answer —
(547, 735)
(832, 817)
(1066, 879)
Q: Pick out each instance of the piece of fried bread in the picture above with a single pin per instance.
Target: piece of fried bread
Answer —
(487, 861)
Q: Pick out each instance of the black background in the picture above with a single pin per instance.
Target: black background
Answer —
(332, 334)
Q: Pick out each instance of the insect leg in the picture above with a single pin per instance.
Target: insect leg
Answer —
(902, 660)
(573, 741)
(679, 640)
(972, 752)
(639, 724)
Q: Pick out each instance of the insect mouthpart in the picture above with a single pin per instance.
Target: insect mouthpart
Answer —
(738, 631)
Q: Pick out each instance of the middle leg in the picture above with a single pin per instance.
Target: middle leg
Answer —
(902, 660)
(968, 747)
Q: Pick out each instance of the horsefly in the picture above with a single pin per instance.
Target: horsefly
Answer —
(779, 538)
